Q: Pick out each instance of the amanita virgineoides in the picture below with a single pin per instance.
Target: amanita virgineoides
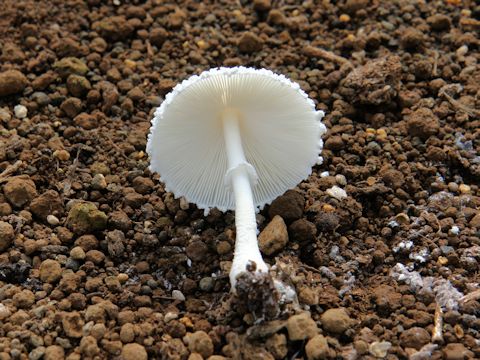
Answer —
(235, 139)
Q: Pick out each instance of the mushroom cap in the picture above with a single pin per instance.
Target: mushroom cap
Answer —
(280, 129)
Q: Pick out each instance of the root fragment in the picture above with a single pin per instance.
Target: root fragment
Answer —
(6, 174)
(437, 332)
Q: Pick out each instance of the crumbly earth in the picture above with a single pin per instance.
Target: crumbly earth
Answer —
(97, 261)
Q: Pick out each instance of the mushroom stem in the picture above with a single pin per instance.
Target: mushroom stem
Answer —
(239, 176)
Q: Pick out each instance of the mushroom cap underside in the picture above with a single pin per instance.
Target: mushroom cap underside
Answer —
(280, 129)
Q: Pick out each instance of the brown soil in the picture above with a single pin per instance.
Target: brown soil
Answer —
(98, 261)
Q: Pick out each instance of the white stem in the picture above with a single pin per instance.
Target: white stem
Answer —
(239, 174)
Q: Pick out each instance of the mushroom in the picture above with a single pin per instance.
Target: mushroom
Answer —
(235, 139)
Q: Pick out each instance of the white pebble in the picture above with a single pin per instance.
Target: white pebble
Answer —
(455, 230)
(53, 220)
(324, 174)
(20, 111)
(340, 179)
(4, 312)
(379, 349)
(178, 295)
(169, 316)
(337, 193)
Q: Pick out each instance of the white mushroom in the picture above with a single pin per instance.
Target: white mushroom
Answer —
(235, 139)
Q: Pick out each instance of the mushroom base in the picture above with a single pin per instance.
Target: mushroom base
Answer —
(255, 293)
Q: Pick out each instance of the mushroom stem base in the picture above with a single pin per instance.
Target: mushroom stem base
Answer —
(239, 177)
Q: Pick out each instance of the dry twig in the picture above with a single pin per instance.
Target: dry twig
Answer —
(6, 174)
(326, 55)
(444, 91)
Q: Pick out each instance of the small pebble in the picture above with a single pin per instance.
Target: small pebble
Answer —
(341, 180)
(99, 182)
(301, 327)
(122, 277)
(169, 316)
(379, 349)
(178, 295)
(77, 253)
(464, 189)
(336, 192)
(20, 111)
(62, 155)
(53, 220)
(206, 283)
(336, 321)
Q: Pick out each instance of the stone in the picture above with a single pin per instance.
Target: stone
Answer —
(72, 107)
(143, 185)
(77, 253)
(70, 65)
(457, 351)
(61, 154)
(317, 348)
(114, 28)
(72, 324)
(85, 121)
(87, 242)
(37, 353)
(20, 190)
(250, 43)
(379, 349)
(41, 98)
(95, 256)
(301, 327)
(414, 337)
(119, 220)
(302, 231)
(115, 243)
(386, 298)
(134, 352)
(158, 36)
(78, 85)
(54, 352)
(24, 299)
(392, 178)
(412, 39)
(334, 143)
(49, 203)
(127, 333)
(12, 82)
(277, 346)
(289, 206)
(84, 217)
(95, 313)
(439, 22)
(276, 17)
(99, 182)
(423, 123)
(20, 111)
(336, 321)
(274, 237)
(7, 234)
(375, 83)
(88, 346)
(475, 221)
(50, 271)
(199, 342)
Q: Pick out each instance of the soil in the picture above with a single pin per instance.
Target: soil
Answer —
(97, 261)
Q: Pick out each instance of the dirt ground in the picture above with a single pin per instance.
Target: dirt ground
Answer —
(97, 261)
